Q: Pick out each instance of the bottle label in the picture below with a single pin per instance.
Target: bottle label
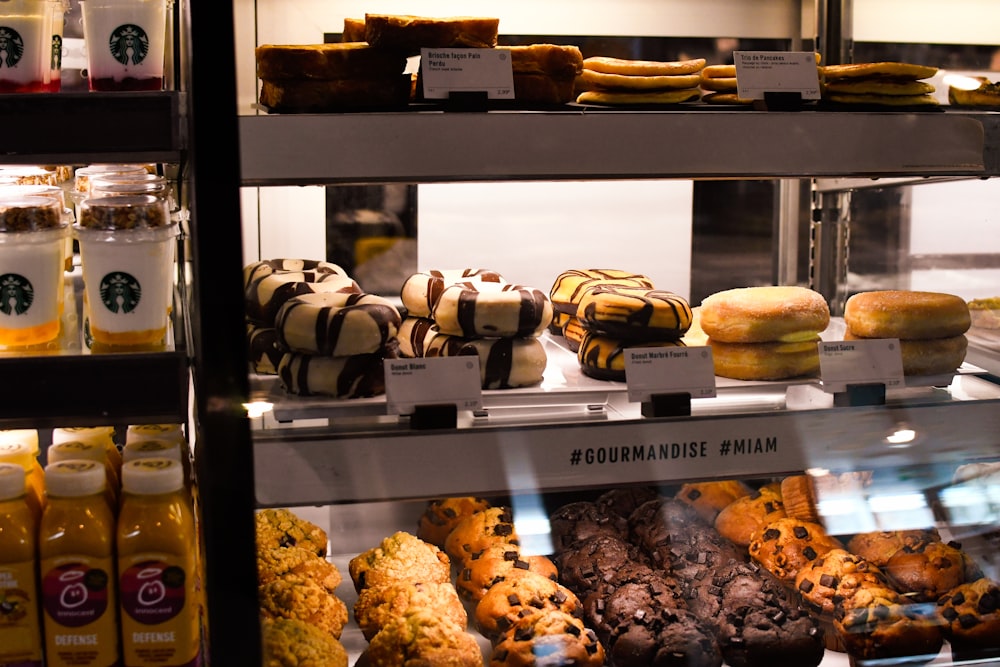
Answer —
(79, 603)
(160, 617)
(152, 591)
(20, 637)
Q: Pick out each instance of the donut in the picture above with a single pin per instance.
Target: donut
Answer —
(603, 357)
(266, 267)
(763, 314)
(634, 312)
(340, 377)
(570, 285)
(421, 290)
(263, 349)
(504, 363)
(930, 356)
(484, 309)
(559, 320)
(573, 331)
(265, 294)
(765, 361)
(906, 315)
(336, 324)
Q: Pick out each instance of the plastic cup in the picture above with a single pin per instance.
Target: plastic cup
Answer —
(57, 24)
(127, 255)
(25, 45)
(125, 43)
(33, 235)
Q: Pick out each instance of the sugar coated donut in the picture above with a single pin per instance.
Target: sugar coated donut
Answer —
(421, 290)
(634, 312)
(266, 267)
(336, 324)
(482, 309)
(263, 349)
(570, 285)
(265, 294)
(341, 377)
(503, 362)
(906, 314)
(603, 357)
(764, 314)
(929, 356)
(765, 361)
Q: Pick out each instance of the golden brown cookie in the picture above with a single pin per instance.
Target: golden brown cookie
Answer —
(422, 637)
(559, 636)
(399, 557)
(480, 530)
(378, 605)
(298, 597)
(288, 642)
(709, 498)
(511, 599)
(798, 493)
(443, 514)
(787, 545)
(283, 528)
(738, 520)
(496, 563)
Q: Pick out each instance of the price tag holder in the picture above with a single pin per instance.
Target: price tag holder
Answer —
(787, 72)
(653, 371)
(860, 362)
(447, 71)
(410, 383)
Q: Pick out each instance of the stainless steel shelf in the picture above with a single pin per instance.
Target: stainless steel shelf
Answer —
(435, 146)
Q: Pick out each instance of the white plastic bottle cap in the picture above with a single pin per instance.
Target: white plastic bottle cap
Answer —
(152, 476)
(155, 432)
(12, 478)
(18, 452)
(151, 449)
(75, 477)
(28, 436)
(100, 434)
(76, 449)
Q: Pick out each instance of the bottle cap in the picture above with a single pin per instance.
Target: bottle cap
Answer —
(155, 432)
(17, 452)
(25, 435)
(11, 481)
(76, 449)
(75, 477)
(151, 449)
(152, 476)
(102, 434)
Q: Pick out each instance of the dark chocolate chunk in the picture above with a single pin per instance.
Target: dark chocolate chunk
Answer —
(772, 534)
(809, 553)
(800, 532)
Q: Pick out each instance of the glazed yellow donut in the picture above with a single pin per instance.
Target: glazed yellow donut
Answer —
(573, 331)
(265, 294)
(504, 363)
(765, 361)
(266, 267)
(570, 285)
(603, 357)
(906, 315)
(336, 324)
(634, 312)
(421, 290)
(929, 356)
(493, 310)
(764, 314)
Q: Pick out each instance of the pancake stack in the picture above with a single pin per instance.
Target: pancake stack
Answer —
(881, 84)
(718, 85)
(616, 81)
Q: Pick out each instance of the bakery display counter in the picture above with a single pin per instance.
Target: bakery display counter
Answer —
(440, 146)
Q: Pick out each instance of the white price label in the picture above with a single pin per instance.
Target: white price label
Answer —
(869, 361)
(669, 370)
(760, 72)
(467, 70)
(433, 381)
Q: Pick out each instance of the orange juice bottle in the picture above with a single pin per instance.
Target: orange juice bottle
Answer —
(90, 451)
(20, 631)
(19, 452)
(77, 567)
(157, 568)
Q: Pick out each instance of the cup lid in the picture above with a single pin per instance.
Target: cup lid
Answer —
(29, 213)
(124, 212)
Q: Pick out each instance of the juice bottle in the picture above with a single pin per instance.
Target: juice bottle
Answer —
(20, 631)
(90, 451)
(103, 435)
(158, 573)
(19, 452)
(77, 567)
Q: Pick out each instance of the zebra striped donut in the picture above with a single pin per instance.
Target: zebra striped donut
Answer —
(263, 350)
(266, 267)
(504, 363)
(492, 310)
(603, 357)
(571, 285)
(421, 290)
(336, 324)
(634, 312)
(265, 294)
(356, 376)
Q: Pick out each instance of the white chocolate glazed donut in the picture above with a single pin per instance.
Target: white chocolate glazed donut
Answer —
(336, 324)
(635, 313)
(492, 310)
(263, 350)
(906, 315)
(266, 267)
(265, 295)
(421, 290)
(357, 376)
(765, 361)
(764, 314)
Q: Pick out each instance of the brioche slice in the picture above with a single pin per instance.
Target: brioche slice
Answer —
(317, 96)
(408, 34)
(554, 60)
(354, 30)
(326, 62)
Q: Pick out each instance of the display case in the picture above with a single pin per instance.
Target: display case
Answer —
(363, 473)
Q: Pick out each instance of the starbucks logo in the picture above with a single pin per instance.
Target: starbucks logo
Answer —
(16, 294)
(129, 44)
(120, 292)
(55, 60)
(11, 46)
